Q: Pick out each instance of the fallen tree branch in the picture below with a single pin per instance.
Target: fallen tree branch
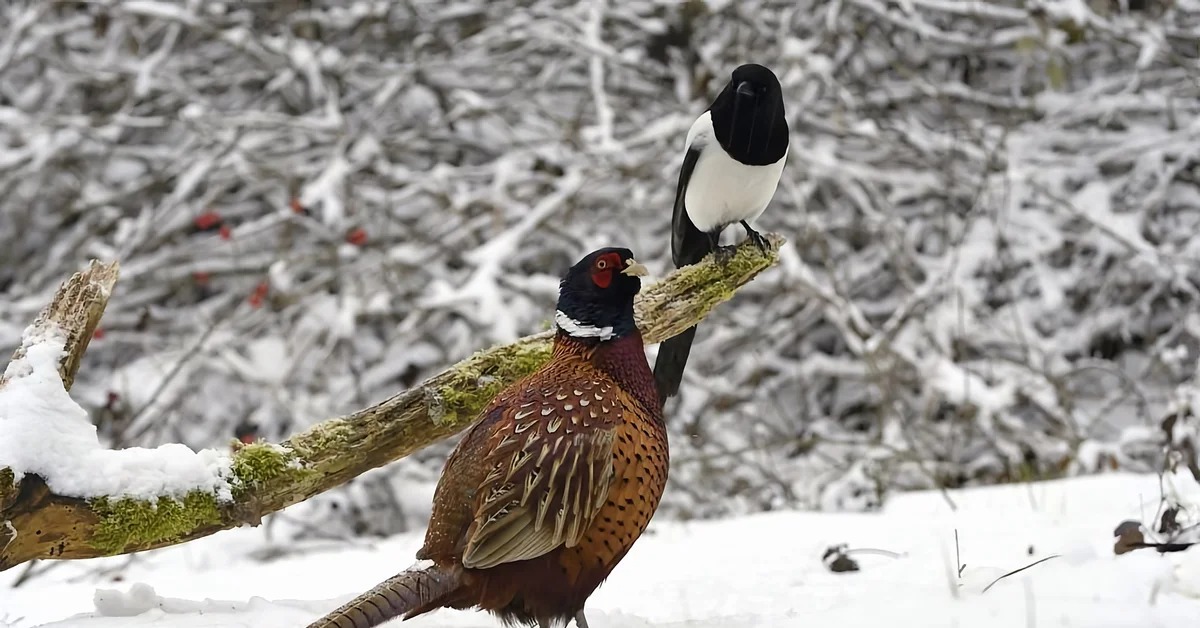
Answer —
(263, 478)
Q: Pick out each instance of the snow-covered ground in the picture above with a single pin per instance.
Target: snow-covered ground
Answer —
(762, 570)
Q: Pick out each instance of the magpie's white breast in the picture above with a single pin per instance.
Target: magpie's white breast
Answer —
(721, 189)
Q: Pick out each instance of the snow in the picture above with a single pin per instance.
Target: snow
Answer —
(758, 570)
(325, 190)
(48, 434)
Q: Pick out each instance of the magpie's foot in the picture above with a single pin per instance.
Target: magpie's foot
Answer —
(724, 254)
(757, 238)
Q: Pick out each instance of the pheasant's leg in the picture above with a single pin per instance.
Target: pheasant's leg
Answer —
(580, 620)
(756, 237)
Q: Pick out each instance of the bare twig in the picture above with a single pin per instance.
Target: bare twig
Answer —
(1017, 571)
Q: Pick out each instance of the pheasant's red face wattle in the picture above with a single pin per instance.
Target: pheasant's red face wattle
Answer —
(602, 278)
(602, 269)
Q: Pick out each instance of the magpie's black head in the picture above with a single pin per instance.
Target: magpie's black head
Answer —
(748, 116)
(595, 297)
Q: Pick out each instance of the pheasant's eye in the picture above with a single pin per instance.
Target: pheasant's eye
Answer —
(602, 264)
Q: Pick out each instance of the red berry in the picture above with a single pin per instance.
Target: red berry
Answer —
(226, 232)
(297, 208)
(201, 277)
(357, 236)
(207, 220)
(98, 334)
(260, 292)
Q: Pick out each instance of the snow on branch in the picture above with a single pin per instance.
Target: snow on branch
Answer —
(63, 496)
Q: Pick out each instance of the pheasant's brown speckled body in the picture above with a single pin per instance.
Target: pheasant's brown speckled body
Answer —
(573, 462)
(553, 485)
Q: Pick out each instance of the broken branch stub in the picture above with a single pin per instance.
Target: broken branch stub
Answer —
(74, 311)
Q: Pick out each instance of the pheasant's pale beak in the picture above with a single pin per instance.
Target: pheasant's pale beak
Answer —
(635, 268)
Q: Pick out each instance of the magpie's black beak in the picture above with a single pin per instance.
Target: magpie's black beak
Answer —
(748, 94)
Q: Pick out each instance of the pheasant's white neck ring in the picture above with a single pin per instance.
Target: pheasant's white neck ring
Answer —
(577, 329)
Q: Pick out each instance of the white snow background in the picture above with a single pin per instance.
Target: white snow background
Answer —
(758, 570)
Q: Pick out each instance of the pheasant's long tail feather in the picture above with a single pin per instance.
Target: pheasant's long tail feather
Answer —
(399, 595)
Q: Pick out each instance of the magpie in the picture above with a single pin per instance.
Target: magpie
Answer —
(734, 158)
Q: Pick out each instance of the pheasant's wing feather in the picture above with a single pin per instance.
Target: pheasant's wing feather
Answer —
(550, 470)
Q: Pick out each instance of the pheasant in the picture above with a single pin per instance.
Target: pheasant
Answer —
(554, 483)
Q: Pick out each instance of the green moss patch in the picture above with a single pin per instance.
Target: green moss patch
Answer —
(482, 377)
(720, 281)
(327, 436)
(130, 523)
(127, 524)
(712, 283)
(261, 462)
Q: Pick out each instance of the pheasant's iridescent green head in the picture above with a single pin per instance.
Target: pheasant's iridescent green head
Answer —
(595, 297)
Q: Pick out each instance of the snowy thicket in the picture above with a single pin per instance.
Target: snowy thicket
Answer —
(993, 212)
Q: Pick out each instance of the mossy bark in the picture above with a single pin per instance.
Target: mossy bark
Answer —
(125, 522)
(36, 523)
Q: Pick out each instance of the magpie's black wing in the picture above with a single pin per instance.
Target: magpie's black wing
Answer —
(688, 244)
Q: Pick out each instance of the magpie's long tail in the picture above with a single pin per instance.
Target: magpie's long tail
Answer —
(672, 358)
(407, 593)
(689, 245)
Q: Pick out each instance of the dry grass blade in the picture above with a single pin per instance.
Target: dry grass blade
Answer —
(1017, 571)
